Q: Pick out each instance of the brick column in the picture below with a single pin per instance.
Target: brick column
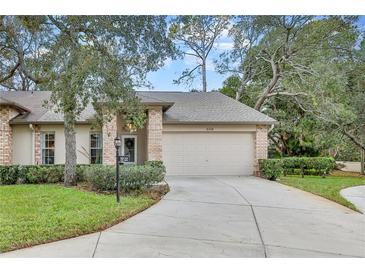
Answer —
(154, 133)
(37, 145)
(261, 144)
(109, 133)
(6, 134)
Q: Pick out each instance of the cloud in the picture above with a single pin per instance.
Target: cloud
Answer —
(224, 45)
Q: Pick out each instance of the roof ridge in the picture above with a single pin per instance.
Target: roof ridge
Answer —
(155, 98)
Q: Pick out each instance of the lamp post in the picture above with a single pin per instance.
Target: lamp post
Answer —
(117, 144)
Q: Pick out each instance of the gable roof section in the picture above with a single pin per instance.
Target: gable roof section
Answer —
(5, 102)
(179, 107)
(206, 107)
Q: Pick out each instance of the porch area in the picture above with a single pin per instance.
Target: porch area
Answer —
(139, 145)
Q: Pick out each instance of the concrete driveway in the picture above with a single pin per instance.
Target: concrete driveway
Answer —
(224, 216)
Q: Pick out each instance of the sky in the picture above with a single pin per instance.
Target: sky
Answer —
(162, 80)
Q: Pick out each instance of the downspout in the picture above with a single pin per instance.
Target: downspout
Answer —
(33, 144)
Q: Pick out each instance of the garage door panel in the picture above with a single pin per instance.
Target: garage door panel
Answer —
(208, 153)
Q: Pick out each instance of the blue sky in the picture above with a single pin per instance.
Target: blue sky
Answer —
(162, 80)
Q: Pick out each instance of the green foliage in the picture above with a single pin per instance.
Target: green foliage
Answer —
(36, 174)
(157, 164)
(8, 175)
(274, 168)
(319, 96)
(308, 165)
(271, 169)
(44, 174)
(102, 177)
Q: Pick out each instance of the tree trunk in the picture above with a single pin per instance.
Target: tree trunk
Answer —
(204, 76)
(270, 87)
(70, 145)
(362, 170)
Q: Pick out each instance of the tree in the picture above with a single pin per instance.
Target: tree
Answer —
(306, 72)
(240, 62)
(94, 60)
(196, 36)
(21, 41)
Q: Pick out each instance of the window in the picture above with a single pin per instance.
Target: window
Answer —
(48, 147)
(96, 148)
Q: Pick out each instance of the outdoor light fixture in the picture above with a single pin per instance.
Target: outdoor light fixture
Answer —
(117, 144)
(130, 128)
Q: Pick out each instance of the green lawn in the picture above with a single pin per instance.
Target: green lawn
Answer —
(35, 214)
(328, 187)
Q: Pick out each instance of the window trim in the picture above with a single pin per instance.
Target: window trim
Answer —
(43, 133)
(101, 144)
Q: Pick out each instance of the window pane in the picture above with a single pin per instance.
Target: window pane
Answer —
(48, 147)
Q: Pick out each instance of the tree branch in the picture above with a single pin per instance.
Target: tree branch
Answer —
(286, 94)
(10, 74)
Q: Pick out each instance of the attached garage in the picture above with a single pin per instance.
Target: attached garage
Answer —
(208, 153)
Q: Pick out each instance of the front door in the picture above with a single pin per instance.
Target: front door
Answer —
(129, 148)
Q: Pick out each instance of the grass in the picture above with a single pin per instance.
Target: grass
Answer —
(36, 214)
(328, 187)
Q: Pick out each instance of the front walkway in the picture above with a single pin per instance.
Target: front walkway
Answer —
(355, 195)
(224, 216)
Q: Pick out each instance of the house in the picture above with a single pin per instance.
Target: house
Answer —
(194, 133)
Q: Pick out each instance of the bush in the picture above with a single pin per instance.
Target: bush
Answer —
(37, 174)
(271, 169)
(157, 164)
(9, 175)
(43, 174)
(102, 177)
(308, 165)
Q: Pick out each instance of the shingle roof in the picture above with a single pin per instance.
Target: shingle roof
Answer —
(207, 107)
(184, 107)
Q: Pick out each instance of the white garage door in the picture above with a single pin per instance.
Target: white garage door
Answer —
(208, 153)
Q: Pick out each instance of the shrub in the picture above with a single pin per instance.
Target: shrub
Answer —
(37, 174)
(158, 164)
(271, 169)
(102, 177)
(9, 175)
(43, 174)
(308, 165)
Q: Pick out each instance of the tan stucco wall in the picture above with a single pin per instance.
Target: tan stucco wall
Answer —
(22, 145)
(22, 150)
(207, 128)
(141, 140)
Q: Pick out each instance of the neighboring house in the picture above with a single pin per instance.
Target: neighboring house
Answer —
(194, 133)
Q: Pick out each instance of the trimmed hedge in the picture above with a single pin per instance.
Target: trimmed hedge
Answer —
(273, 168)
(134, 177)
(101, 177)
(36, 174)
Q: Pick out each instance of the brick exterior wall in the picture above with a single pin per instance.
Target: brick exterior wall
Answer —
(37, 146)
(261, 144)
(6, 134)
(109, 133)
(154, 133)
